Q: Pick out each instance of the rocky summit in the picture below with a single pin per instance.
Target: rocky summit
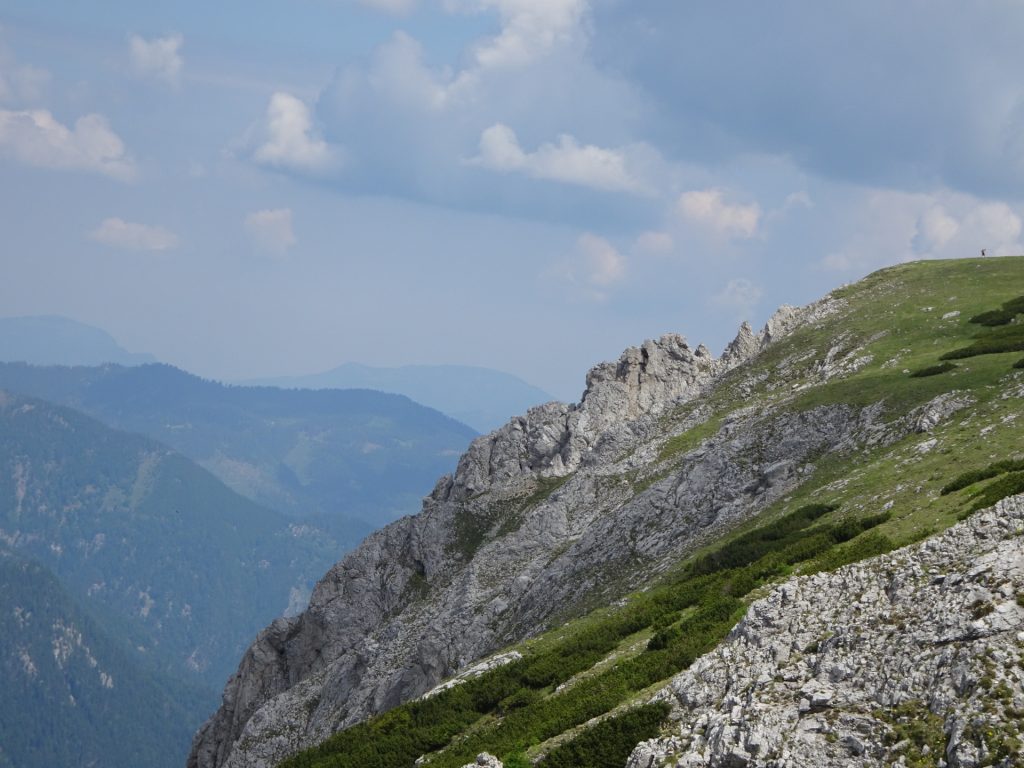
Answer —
(578, 579)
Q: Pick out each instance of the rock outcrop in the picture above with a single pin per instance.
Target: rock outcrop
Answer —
(909, 657)
(541, 514)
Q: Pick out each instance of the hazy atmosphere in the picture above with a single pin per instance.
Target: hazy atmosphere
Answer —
(268, 189)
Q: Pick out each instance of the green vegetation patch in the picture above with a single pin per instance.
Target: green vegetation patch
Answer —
(994, 317)
(977, 475)
(1003, 337)
(1007, 485)
(1007, 338)
(689, 439)
(1010, 474)
(757, 543)
(1002, 316)
(916, 731)
(545, 487)
(609, 743)
(933, 370)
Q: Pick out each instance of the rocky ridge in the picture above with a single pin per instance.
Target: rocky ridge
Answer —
(911, 658)
(525, 524)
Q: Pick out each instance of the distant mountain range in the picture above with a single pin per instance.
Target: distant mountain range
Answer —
(130, 580)
(52, 340)
(351, 460)
(72, 693)
(158, 547)
(481, 397)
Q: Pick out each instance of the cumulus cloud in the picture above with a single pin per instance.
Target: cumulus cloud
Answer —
(935, 228)
(655, 242)
(708, 208)
(271, 230)
(36, 138)
(159, 57)
(739, 296)
(529, 28)
(603, 264)
(19, 82)
(949, 225)
(567, 161)
(131, 236)
(291, 141)
(889, 226)
(390, 6)
(593, 267)
(399, 74)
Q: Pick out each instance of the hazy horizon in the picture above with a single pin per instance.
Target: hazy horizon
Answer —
(524, 185)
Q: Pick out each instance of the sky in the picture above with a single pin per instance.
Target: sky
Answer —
(264, 189)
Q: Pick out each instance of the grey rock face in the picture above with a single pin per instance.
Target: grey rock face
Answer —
(485, 760)
(552, 439)
(812, 675)
(540, 514)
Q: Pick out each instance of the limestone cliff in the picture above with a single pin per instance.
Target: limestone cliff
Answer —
(535, 518)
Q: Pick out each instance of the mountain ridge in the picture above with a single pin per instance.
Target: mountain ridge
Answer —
(484, 398)
(572, 508)
(334, 456)
(57, 340)
(143, 535)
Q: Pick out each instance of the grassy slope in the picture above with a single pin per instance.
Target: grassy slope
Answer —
(892, 323)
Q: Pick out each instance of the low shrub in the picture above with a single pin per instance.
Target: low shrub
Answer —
(994, 317)
(1014, 305)
(1007, 485)
(609, 743)
(1009, 338)
(977, 475)
(933, 370)
(752, 546)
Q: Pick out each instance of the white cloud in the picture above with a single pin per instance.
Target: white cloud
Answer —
(567, 161)
(603, 264)
(20, 83)
(592, 268)
(888, 226)
(936, 228)
(159, 57)
(399, 74)
(136, 237)
(271, 230)
(390, 6)
(995, 224)
(801, 199)
(529, 28)
(655, 242)
(708, 208)
(739, 296)
(36, 138)
(291, 141)
(945, 225)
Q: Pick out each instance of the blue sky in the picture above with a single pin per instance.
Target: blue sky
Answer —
(255, 189)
